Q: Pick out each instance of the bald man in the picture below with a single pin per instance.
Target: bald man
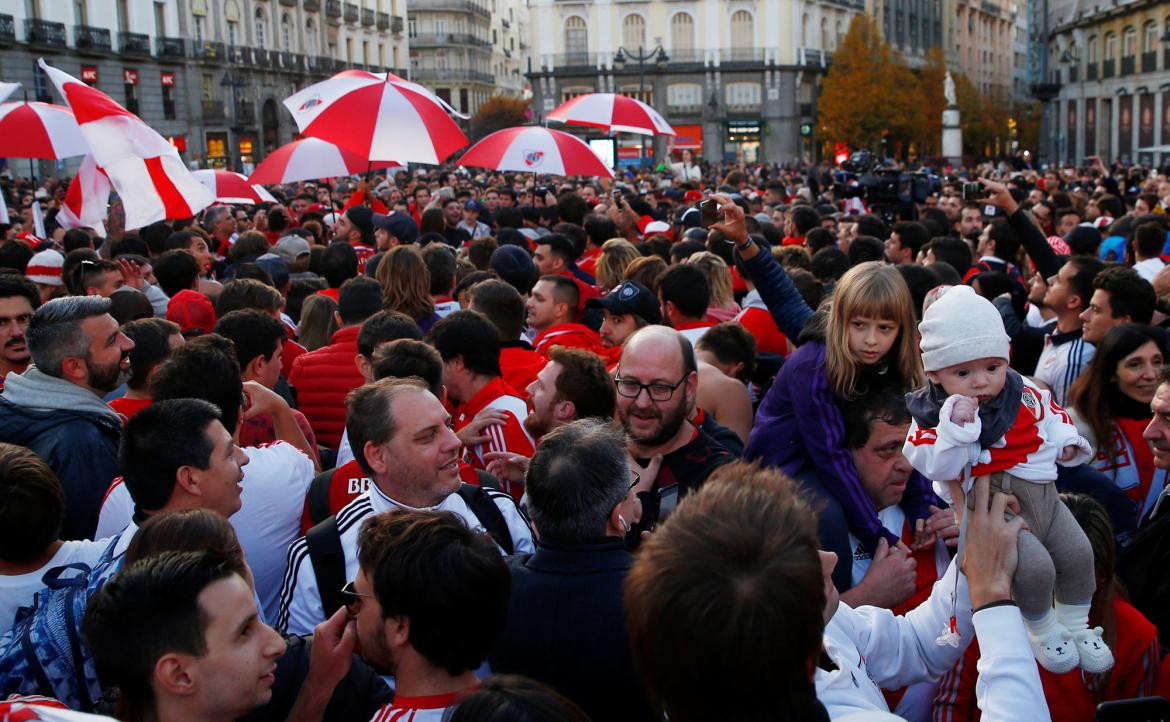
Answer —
(657, 382)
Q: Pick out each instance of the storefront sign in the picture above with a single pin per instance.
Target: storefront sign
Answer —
(179, 141)
(689, 137)
(130, 77)
(168, 80)
(743, 131)
(89, 74)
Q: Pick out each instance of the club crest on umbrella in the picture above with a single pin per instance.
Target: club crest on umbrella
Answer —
(533, 157)
(312, 102)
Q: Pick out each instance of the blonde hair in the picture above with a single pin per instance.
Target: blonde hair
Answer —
(718, 277)
(406, 282)
(616, 255)
(871, 290)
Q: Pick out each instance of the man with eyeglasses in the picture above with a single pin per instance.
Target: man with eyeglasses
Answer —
(657, 380)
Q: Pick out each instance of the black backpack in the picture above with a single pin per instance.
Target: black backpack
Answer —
(328, 557)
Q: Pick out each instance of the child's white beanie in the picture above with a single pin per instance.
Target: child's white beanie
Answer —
(961, 326)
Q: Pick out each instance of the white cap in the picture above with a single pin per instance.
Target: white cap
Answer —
(961, 326)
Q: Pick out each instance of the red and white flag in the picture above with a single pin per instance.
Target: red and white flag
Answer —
(88, 199)
(143, 167)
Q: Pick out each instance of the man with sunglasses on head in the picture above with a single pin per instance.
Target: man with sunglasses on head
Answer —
(657, 380)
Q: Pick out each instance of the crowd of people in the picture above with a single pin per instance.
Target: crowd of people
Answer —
(699, 443)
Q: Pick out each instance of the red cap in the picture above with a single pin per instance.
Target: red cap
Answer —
(692, 195)
(191, 310)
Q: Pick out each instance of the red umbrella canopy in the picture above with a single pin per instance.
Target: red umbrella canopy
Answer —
(378, 116)
(533, 149)
(39, 130)
(230, 187)
(310, 158)
(617, 113)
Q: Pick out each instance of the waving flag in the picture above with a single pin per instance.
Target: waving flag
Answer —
(143, 167)
(88, 199)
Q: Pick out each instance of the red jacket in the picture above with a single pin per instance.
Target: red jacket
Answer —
(569, 335)
(519, 366)
(322, 378)
(1069, 696)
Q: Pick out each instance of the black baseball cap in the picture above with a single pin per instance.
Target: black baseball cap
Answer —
(630, 297)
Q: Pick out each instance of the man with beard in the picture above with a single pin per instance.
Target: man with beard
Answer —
(18, 299)
(657, 381)
(55, 407)
(428, 602)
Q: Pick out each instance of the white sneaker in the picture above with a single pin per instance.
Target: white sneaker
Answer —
(1056, 651)
(1094, 653)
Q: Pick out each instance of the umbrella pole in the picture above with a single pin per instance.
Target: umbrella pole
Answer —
(31, 173)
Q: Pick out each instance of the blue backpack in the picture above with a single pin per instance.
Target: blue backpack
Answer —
(44, 653)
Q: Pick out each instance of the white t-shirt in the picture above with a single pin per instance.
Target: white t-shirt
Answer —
(18, 590)
(276, 479)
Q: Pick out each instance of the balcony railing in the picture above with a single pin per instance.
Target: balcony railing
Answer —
(172, 48)
(466, 6)
(1091, 71)
(425, 74)
(351, 13)
(43, 32)
(684, 109)
(569, 61)
(383, 21)
(729, 56)
(291, 61)
(1108, 68)
(245, 111)
(1127, 64)
(368, 17)
(812, 57)
(237, 55)
(1166, 59)
(87, 37)
(133, 43)
(214, 110)
(397, 24)
(1074, 73)
(1150, 61)
(339, 65)
(332, 8)
(264, 58)
(680, 56)
(7, 29)
(428, 39)
(312, 6)
(289, 3)
(210, 51)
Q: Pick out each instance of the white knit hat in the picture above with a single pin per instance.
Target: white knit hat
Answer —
(45, 268)
(961, 326)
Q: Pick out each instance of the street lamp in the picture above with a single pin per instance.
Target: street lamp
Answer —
(233, 82)
(658, 54)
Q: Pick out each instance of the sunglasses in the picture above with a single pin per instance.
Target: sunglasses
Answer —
(353, 598)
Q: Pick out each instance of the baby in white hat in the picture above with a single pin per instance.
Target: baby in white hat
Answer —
(976, 416)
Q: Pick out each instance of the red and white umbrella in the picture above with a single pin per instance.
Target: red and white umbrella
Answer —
(39, 130)
(311, 158)
(533, 149)
(616, 113)
(379, 116)
(231, 187)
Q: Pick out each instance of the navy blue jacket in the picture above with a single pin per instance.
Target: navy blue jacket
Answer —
(566, 627)
(80, 447)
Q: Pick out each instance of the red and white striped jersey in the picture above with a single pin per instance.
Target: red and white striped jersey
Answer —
(432, 708)
(509, 436)
(1030, 449)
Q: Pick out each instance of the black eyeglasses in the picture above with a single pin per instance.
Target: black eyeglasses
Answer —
(658, 391)
(354, 598)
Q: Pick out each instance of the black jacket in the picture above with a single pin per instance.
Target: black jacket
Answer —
(566, 627)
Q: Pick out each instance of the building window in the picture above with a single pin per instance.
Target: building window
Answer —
(1092, 49)
(412, 28)
(130, 85)
(261, 34)
(1152, 40)
(1129, 42)
(232, 34)
(804, 30)
(463, 101)
(198, 28)
(682, 32)
(576, 36)
(80, 12)
(741, 30)
(310, 37)
(742, 95)
(824, 33)
(207, 87)
(684, 95)
(634, 31)
(160, 19)
(1111, 46)
(286, 31)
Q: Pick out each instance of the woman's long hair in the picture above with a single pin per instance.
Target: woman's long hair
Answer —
(318, 321)
(872, 290)
(616, 256)
(1095, 522)
(406, 283)
(1095, 394)
(718, 277)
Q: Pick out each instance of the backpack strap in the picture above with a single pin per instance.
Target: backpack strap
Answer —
(488, 514)
(317, 497)
(328, 558)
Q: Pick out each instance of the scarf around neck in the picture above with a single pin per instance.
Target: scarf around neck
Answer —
(996, 416)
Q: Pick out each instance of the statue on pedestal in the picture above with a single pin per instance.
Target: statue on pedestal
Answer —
(949, 90)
